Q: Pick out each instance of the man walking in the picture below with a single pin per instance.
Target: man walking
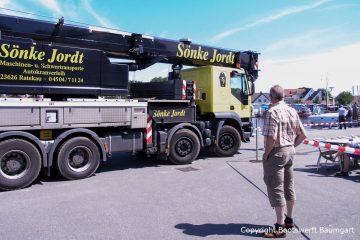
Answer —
(349, 116)
(355, 113)
(342, 116)
(283, 131)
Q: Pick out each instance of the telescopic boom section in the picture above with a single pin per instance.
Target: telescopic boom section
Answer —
(145, 50)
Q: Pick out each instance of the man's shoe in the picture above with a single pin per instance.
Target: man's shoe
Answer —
(274, 234)
(278, 231)
(342, 174)
(289, 226)
(289, 223)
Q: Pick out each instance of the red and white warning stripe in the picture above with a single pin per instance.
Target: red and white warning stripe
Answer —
(326, 123)
(184, 90)
(332, 147)
(149, 130)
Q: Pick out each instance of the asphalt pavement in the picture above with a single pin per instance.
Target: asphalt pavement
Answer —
(132, 197)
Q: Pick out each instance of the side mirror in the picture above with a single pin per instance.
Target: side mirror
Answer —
(234, 73)
(203, 96)
(251, 88)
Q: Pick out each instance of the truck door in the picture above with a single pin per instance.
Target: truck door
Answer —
(240, 100)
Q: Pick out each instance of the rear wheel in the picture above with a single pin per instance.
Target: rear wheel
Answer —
(228, 143)
(184, 147)
(78, 157)
(20, 164)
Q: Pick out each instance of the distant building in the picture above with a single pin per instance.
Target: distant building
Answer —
(318, 96)
(260, 101)
(261, 98)
(306, 95)
(297, 95)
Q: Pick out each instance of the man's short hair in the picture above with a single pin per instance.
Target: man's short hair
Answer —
(277, 92)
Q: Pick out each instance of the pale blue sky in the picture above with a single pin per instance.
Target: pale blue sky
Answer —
(300, 41)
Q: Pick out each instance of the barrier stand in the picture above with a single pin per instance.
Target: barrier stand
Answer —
(256, 143)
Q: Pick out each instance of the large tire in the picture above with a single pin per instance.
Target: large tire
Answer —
(20, 164)
(78, 158)
(228, 143)
(184, 147)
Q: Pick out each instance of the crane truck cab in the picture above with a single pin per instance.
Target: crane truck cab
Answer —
(223, 92)
(221, 89)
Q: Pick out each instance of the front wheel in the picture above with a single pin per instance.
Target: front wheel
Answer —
(184, 147)
(78, 157)
(228, 143)
(20, 164)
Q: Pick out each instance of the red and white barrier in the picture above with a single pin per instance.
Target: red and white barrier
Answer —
(149, 130)
(316, 124)
(326, 123)
(184, 90)
(332, 147)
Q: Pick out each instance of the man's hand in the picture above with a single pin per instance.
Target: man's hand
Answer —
(270, 142)
(299, 139)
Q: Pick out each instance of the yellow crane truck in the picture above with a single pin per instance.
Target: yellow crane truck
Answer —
(71, 126)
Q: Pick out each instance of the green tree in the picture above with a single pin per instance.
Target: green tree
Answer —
(316, 100)
(159, 79)
(345, 98)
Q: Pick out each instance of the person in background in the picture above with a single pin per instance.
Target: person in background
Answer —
(349, 116)
(283, 131)
(342, 116)
(316, 110)
(355, 113)
(346, 159)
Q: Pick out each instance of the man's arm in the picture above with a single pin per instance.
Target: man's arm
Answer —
(270, 129)
(299, 139)
(300, 133)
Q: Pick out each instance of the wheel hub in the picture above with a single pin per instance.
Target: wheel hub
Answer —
(226, 142)
(79, 158)
(183, 147)
(14, 164)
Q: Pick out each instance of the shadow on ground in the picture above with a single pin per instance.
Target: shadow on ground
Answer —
(204, 230)
(327, 171)
(118, 162)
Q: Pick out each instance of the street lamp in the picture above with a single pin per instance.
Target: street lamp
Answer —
(331, 88)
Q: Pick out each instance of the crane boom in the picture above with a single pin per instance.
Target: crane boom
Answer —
(20, 32)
